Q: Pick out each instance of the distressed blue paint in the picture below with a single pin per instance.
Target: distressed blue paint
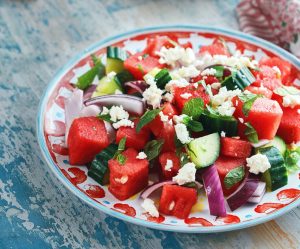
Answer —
(36, 38)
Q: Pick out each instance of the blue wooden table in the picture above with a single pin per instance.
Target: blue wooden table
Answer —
(36, 211)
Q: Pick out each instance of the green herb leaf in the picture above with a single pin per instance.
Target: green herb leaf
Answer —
(193, 108)
(184, 159)
(292, 159)
(248, 100)
(148, 116)
(121, 159)
(219, 71)
(105, 117)
(85, 80)
(153, 148)
(206, 87)
(287, 90)
(251, 133)
(140, 68)
(121, 146)
(234, 176)
(145, 56)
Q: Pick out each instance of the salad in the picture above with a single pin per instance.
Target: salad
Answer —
(168, 122)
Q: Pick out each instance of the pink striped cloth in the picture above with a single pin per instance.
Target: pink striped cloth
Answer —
(275, 20)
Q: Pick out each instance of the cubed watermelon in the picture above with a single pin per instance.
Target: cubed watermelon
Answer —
(87, 137)
(218, 47)
(260, 90)
(129, 178)
(134, 139)
(235, 147)
(267, 77)
(177, 200)
(168, 173)
(289, 128)
(224, 165)
(155, 44)
(168, 135)
(264, 115)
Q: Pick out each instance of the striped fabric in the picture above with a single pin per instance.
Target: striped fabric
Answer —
(275, 20)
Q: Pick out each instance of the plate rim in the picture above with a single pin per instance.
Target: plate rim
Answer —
(101, 43)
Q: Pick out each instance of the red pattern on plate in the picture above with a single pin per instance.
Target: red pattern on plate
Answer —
(125, 209)
(94, 191)
(159, 219)
(229, 219)
(198, 221)
(79, 175)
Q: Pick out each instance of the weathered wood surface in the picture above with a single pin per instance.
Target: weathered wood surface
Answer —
(36, 211)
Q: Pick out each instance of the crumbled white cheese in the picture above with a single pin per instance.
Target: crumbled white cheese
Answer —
(179, 119)
(149, 79)
(122, 180)
(209, 71)
(169, 165)
(123, 122)
(185, 174)
(178, 83)
(118, 91)
(196, 85)
(118, 113)
(168, 97)
(241, 120)
(163, 117)
(188, 72)
(172, 204)
(140, 58)
(152, 95)
(185, 95)
(111, 75)
(216, 85)
(224, 95)
(298, 111)
(182, 134)
(226, 108)
(258, 164)
(150, 208)
(105, 110)
(291, 100)
(173, 56)
(141, 155)
(277, 70)
(223, 134)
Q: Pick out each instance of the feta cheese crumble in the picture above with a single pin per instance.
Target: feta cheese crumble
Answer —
(168, 97)
(224, 95)
(216, 85)
(226, 109)
(209, 71)
(169, 165)
(178, 83)
(185, 174)
(258, 164)
(188, 72)
(223, 134)
(179, 119)
(105, 110)
(182, 134)
(117, 113)
(152, 95)
(150, 208)
(122, 180)
(111, 75)
(291, 100)
(173, 56)
(141, 155)
(163, 117)
(123, 122)
(185, 95)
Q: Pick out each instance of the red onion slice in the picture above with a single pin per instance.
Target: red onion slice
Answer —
(214, 192)
(89, 92)
(244, 192)
(261, 189)
(89, 111)
(260, 143)
(110, 132)
(138, 85)
(73, 106)
(130, 103)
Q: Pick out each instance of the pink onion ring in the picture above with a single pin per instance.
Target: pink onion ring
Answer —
(138, 85)
(260, 143)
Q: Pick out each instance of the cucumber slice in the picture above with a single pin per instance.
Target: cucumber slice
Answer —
(204, 151)
(162, 78)
(239, 79)
(106, 86)
(216, 123)
(152, 73)
(123, 77)
(277, 176)
(279, 143)
(114, 65)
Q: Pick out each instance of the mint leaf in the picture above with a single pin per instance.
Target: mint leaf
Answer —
(121, 146)
(121, 159)
(292, 159)
(192, 125)
(148, 116)
(193, 108)
(234, 176)
(153, 148)
(287, 90)
(105, 117)
(251, 133)
(248, 100)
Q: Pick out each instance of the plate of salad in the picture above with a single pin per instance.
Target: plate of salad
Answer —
(179, 128)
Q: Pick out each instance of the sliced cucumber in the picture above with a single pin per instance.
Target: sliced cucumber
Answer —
(152, 73)
(99, 168)
(204, 151)
(115, 59)
(162, 78)
(106, 86)
(239, 79)
(276, 176)
(279, 143)
(123, 77)
(216, 123)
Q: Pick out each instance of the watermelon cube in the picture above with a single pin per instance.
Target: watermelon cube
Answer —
(169, 168)
(289, 128)
(235, 147)
(218, 47)
(177, 200)
(129, 178)
(168, 134)
(87, 137)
